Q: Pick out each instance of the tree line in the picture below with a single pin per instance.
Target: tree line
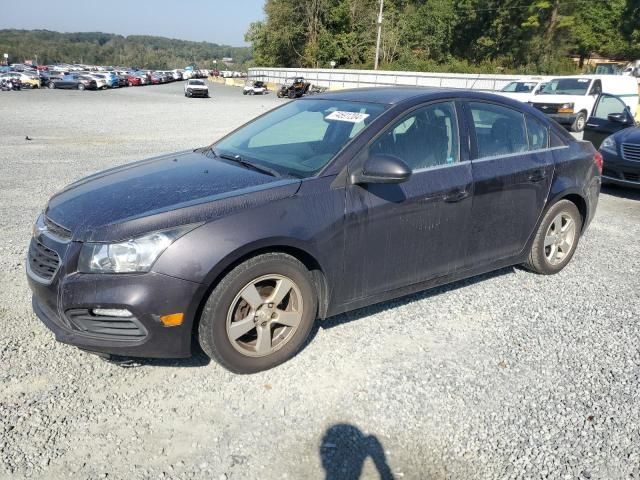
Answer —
(526, 36)
(96, 48)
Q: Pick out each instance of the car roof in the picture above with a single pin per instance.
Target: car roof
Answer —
(395, 95)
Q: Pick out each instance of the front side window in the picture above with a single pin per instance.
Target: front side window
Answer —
(499, 130)
(427, 137)
(301, 137)
(607, 105)
(520, 87)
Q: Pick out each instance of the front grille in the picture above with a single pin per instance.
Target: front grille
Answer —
(57, 230)
(43, 261)
(121, 328)
(610, 173)
(546, 107)
(631, 177)
(631, 152)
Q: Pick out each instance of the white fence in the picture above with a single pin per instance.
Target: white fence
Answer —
(338, 79)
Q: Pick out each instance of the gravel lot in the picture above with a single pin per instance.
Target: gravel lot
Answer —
(510, 375)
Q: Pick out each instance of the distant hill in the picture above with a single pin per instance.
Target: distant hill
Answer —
(109, 49)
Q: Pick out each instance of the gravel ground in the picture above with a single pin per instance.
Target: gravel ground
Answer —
(510, 375)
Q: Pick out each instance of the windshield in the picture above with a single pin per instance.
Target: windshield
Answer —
(520, 87)
(196, 82)
(301, 137)
(567, 86)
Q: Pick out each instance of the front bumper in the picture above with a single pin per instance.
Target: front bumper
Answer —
(199, 93)
(563, 118)
(618, 171)
(147, 296)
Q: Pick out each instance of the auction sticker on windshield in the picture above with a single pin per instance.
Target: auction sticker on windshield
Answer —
(352, 117)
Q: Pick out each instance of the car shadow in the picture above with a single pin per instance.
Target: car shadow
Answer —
(344, 449)
(364, 312)
(621, 192)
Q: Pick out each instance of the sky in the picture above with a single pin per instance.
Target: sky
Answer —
(218, 21)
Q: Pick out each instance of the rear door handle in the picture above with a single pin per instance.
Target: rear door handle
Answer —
(456, 195)
(537, 176)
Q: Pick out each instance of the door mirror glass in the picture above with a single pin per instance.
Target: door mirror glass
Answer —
(381, 168)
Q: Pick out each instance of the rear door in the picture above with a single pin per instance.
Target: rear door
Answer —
(610, 115)
(512, 172)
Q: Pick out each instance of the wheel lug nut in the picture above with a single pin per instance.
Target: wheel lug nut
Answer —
(271, 305)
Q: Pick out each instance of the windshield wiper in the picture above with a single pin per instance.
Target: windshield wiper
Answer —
(246, 163)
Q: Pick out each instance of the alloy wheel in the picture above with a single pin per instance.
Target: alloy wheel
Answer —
(560, 238)
(264, 315)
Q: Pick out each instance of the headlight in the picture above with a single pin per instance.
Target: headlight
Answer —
(565, 108)
(135, 255)
(609, 144)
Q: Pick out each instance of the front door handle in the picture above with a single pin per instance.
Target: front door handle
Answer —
(456, 195)
(537, 176)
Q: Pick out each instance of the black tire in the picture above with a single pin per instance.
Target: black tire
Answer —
(52, 85)
(579, 123)
(212, 331)
(292, 94)
(251, 92)
(538, 261)
(80, 86)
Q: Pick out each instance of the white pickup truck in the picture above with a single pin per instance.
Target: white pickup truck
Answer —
(570, 100)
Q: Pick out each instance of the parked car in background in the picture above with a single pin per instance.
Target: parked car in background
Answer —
(523, 90)
(324, 205)
(100, 80)
(74, 81)
(123, 80)
(613, 130)
(26, 80)
(570, 100)
(196, 87)
(134, 80)
(156, 79)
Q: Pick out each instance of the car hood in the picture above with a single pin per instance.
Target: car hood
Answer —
(520, 96)
(628, 135)
(161, 192)
(544, 98)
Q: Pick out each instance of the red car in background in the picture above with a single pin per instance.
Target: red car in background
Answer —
(156, 79)
(132, 80)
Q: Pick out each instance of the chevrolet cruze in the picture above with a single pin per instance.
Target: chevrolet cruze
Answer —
(324, 205)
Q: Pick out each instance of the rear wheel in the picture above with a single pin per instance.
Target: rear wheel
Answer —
(52, 85)
(260, 314)
(81, 86)
(556, 239)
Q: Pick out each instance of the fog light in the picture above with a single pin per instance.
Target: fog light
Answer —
(112, 312)
(172, 320)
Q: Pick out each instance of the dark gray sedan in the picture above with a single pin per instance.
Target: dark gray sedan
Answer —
(324, 205)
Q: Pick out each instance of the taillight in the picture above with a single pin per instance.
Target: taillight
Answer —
(598, 160)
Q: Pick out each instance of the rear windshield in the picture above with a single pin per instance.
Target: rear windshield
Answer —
(567, 86)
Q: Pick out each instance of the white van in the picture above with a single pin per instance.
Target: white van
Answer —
(570, 100)
(524, 89)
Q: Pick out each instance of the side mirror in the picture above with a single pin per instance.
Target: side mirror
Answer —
(382, 169)
(618, 117)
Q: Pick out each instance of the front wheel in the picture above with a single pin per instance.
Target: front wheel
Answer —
(260, 314)
(52, 85)
(80, 86)
(556, 239)
(579, 123)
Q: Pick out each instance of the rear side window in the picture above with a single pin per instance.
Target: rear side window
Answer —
(499, 130)
(537, 134)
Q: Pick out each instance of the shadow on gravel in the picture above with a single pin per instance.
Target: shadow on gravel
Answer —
(398, 302)
(345, 448)
(621, 192)
(197, 359)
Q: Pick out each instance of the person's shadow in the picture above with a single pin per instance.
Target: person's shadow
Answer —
(345, 448)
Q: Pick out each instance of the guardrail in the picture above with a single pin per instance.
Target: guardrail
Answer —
(339, 79)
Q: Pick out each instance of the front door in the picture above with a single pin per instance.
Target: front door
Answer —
(401, 234)
(610, 115)
(512, 172)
